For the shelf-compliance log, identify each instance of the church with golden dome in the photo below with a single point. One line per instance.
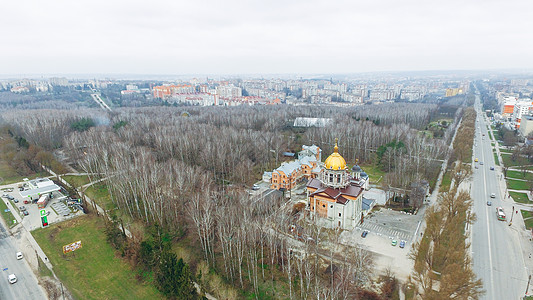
(335, 197)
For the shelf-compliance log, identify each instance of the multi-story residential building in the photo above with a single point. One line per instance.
(291, 173)
(522, 107)
(165, 91)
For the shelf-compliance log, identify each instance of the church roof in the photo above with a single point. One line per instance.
(335, 161)
(335, 194)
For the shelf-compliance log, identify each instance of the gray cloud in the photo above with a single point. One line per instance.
(172, 37)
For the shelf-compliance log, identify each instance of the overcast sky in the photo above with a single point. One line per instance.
(267, 36)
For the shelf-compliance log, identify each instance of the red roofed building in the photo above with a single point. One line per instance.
(335, 198)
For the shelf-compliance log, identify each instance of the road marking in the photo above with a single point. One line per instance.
(488, 228)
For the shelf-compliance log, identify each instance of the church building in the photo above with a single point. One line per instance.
(335, 197)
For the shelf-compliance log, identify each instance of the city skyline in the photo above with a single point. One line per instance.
(269, 38)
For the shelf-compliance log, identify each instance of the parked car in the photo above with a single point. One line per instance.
(10, 197)
(19, 255)
(394, 242)
(255, 187)
(26, 213)
(22, 208)
(12, 278)
(402, 244)
(364, 234)
(5, 195)
(26, 201)
(15, 200)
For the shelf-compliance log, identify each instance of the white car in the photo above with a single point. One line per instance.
(19, 255)
(12, 278)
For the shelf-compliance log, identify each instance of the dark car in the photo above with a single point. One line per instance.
(402, 244)
(364, 234)
(25, 213)
(489, 203)
(492, 168)
(16, 200)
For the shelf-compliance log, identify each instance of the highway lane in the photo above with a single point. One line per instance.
(26, 287)
(496, 251)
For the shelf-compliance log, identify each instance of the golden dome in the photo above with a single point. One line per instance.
(335, 161)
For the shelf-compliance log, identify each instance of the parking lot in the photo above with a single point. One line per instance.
(56, 209)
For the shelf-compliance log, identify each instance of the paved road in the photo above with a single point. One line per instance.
(26, 287)
(496, 250)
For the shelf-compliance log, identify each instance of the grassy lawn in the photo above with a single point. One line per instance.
(76, 181)
(94, 271)
(520, 161)
(496, 160)
(8, 175)
(514, 184)
(528, 218)
(374, 173)
(519, 197)
(518, 175)
(98, 192)
(446, 181)
(490, 135)
(517, 185)
(8, 216)
(504, 150)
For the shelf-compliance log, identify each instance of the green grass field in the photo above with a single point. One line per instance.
(528, 218)
(519, 197)
(98, 192)
(446, 181)
(496, 159)
(8, 175)
(517, 185)
(76, 181)
(520, 161)
(94, 271)
(519, 175)
(504, 150)
(374, 173)
(7, 216)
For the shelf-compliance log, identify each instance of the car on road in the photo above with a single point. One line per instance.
(19, 255)
(12, 278)
(480, 163)
(493, 195)
(476, 160)
(402, 244)
(492, 168)
(394, 242)
(364, 234)
(255, 187)
(489, 203)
